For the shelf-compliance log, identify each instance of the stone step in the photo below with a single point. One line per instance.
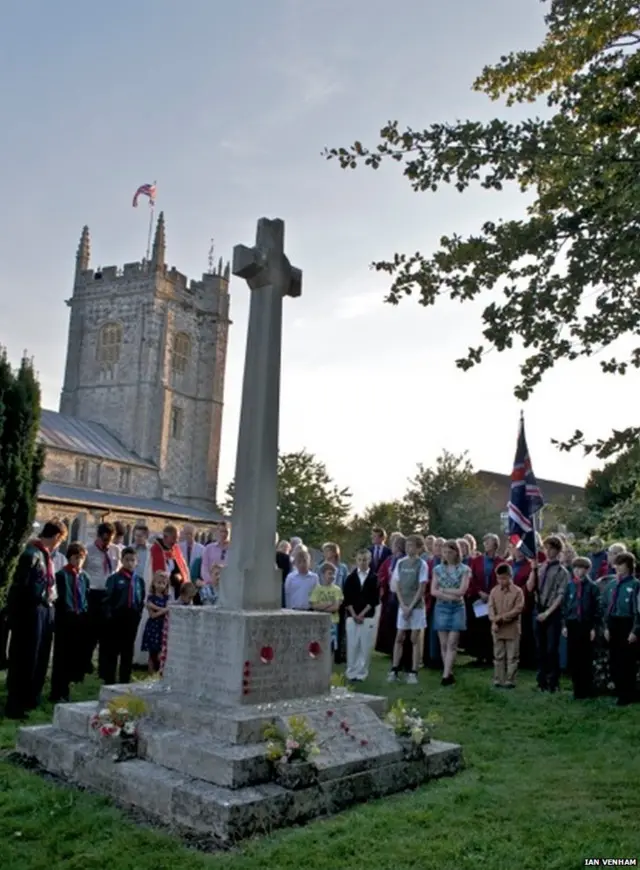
(75, 718)
(228, 814)
(59, 752)
(224, 764)
(237, 725)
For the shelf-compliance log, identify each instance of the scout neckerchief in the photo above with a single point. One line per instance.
(614, 597)
(579, 583)
(131, 589)
(75, 589)
(546, 567)
(104, 549)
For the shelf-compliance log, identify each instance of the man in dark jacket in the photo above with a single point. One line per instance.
(30, 612)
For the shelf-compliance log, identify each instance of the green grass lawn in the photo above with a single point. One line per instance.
(549, 782)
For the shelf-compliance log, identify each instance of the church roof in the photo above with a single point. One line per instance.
(63, 432)
(95, 498)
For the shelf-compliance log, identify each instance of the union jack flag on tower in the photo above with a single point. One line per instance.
(145, 190)
(525, 498)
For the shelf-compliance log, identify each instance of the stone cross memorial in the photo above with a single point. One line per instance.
(248, 582)
(234, 669)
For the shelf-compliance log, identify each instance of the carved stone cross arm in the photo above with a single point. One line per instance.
(266, 264)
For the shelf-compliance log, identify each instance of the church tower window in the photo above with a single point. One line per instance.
(109, 343)
(175, 422)
(180, 353)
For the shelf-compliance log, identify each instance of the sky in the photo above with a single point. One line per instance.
(228, 104)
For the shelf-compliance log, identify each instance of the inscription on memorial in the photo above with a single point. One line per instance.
(220, 655)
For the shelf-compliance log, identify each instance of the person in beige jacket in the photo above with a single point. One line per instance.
(506, 603)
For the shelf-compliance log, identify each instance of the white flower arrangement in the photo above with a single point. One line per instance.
(409, 724)
(118, 720)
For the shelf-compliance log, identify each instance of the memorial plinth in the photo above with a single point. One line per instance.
(202, 764)
(233, 670)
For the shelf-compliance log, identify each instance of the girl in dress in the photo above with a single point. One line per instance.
(157, 606)
(448, 587)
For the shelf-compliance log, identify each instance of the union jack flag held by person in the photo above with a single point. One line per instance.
(145, 190)
(525, 498)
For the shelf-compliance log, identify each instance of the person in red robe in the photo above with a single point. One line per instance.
(165, 555)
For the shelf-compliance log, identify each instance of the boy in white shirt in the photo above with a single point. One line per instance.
(409, 582)
(300, 582)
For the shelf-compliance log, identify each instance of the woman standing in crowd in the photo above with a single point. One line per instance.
(448, 588)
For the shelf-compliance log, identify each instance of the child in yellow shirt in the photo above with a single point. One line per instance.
(326, 597)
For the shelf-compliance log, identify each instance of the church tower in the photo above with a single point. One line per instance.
(146, 358)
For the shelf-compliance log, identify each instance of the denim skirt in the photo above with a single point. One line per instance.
(449, 616)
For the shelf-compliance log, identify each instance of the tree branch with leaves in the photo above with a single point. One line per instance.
(563, 279)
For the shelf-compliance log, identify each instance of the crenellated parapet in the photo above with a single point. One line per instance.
(208, 294)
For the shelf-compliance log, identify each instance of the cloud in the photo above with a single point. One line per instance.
(358, 305)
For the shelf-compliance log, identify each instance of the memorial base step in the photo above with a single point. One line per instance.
(227, 814)
(205, 769)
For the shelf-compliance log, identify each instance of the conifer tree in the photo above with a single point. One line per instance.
(21, 459)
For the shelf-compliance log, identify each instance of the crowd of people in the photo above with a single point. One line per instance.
(417, 599)
(420, 599)
(104, 605)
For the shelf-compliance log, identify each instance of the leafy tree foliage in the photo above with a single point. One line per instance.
(622, 520)
(574, 517)
(21, 459)
(612, 495)
(615, 482)
(392, 516)
(310, 504)
(449, 500)
(564, 278)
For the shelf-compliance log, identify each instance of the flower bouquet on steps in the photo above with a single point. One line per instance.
(117, 727)
(412, 730)
(290, 751)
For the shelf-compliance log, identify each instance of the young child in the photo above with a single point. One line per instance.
(622, 627)
(580, 613)
(208, 591)
(327, 597)
(71, 618)
(188, 592)
(361, 598)
(300, 582)
(123, 605)
(157, 606)
(506, 603)
(409, 582)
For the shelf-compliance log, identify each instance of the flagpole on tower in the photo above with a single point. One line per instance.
(152, 209)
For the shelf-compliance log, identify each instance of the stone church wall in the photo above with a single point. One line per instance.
(74, 469)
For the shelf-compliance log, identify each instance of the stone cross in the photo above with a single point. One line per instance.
(250, 580)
